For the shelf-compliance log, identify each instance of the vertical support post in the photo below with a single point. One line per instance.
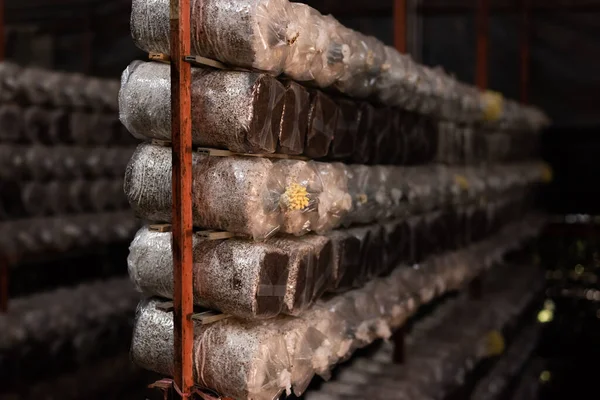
(525, 52)
(400, 25)
(181, 138)
(399, 355)
(3, 284)
(482, 21)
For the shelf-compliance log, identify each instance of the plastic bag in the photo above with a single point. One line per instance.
(239, 111)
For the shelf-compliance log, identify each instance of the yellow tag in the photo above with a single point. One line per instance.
(493, 105)
(462, 182)
(494, 343)
(546, 173)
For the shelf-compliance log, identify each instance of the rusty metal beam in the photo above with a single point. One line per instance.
(482, 21)
(525, 44)
(181, 134)
(400, 25)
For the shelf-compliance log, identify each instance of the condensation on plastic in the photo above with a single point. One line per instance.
(344, 138)
(362, 148)
(334, 202)
(243, 359)
(287, 274)
(294, 119)
(259, 197)
(243, 278)
(322, 123)
(257, 359)
(362, 185)
(229, 193)
(239, 111)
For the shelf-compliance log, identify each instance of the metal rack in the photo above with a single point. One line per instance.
(181, 139)
(182, 172)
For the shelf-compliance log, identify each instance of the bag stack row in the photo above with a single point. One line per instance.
(63, 154)
(356, 186)
(445, 350)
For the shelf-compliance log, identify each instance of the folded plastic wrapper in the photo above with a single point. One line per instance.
(262, 359)
(259, 197)
(238, 111)
(294, 39)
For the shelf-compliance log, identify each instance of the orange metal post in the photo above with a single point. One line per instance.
(400, 25)
(181, 125)
(525, 53)
(482, 30)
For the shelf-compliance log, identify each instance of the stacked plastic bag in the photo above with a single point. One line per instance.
(68, 327)
(261, 359)
(252, 112)
(295, 40)
(63, 154)
(442, 350)
(341, 225)
(259, 197)
(252, 280)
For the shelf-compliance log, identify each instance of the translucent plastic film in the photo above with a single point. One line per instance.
(293, 39)
(240, 277)
(239, 111)
(288, 274)
(262, 359)
(443, 348)
(258, 197)
(252, 196)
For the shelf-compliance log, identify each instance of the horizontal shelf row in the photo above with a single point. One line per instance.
(261, 359)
